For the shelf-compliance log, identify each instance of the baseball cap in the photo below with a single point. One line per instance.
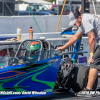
(73, 17)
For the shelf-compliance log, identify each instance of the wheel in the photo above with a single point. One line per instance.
(79, 78)
(12, 61)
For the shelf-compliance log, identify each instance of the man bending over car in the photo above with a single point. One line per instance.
(91, 26)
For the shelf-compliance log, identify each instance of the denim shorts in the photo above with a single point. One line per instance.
(96, 57)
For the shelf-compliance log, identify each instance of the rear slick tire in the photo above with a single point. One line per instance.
(79, 78)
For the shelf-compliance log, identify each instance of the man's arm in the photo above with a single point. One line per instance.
(73, 39)
(92, 43)
(91, 39)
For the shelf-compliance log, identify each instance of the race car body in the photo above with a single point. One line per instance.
(29, 76)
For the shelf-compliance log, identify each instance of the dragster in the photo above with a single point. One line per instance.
(36, 69)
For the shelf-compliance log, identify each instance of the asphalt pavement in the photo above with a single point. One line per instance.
(64, 96)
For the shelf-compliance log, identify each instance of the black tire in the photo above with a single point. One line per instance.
(79, 78)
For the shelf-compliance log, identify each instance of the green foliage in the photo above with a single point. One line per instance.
(50, 0)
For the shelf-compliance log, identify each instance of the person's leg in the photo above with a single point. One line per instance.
(88, 91)
(93, 72)
(92, 77)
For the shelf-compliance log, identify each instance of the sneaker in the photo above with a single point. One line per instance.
(86, 93)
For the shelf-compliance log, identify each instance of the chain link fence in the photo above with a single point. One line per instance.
(1, 8)
(13, 8)
(7, 8)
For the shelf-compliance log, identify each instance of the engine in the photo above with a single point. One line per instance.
(66, 66)
(63, 78)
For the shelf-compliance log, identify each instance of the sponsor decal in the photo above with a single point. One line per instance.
(22, 93)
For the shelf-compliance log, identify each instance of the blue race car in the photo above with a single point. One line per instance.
(37, 72)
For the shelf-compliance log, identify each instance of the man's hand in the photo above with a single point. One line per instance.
(73, 39)
(91, 59)
(62, 48)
